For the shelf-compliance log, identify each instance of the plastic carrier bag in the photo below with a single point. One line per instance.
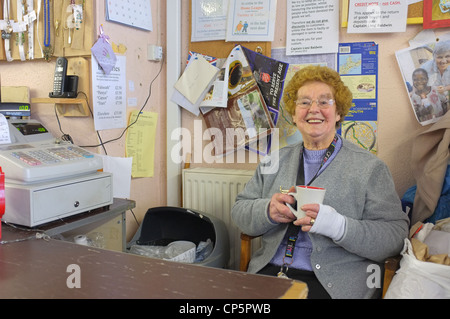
(418, 279)
(181, 251)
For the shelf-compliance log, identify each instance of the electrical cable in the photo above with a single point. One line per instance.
(65, 137)
(39, 234)
(68, 138)
(135, 218)
(137, 117)
(90, 110)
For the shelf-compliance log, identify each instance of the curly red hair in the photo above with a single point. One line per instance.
(342, 94)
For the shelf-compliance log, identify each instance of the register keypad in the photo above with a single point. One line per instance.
(52, 155)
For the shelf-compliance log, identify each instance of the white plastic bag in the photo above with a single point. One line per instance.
(181, 251)
(418, 279)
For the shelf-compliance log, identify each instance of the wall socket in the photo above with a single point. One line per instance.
(154, 52)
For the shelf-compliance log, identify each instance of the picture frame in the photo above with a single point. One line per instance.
(436, 14)
(427, 79)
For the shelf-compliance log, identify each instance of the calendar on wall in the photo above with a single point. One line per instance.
(134, 13)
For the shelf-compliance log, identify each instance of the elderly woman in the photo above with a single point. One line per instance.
(342, 242)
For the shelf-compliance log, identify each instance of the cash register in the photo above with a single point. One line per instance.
(48, 179)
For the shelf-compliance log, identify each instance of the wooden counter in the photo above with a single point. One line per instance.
(39, 268)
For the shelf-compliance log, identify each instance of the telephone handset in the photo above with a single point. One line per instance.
(59, 82)
(64, 86)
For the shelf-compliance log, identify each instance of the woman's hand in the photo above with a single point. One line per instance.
(330, 223)
(311, 210)
(278, 211)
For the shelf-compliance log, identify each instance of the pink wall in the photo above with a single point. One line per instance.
(38, 76)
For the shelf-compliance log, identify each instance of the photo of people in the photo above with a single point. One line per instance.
(426, 72)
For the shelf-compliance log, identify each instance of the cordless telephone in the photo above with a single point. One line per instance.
(64, 86)
(59, 82)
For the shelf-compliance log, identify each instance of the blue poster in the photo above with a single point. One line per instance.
(358, 66)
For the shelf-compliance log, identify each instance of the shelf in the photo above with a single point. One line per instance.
(73, 107)
(66, 106)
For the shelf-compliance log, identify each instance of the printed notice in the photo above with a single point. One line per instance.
(209, 20)
(141, 139)
(109, 95)
(377, 16)
(5, 137)
(251, 20)
(313, 27)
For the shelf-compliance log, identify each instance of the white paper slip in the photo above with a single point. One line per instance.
(5, 137)
(196, 79)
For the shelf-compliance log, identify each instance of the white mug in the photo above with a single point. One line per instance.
(306, 195)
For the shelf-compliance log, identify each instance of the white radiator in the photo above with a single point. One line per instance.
(213, 191)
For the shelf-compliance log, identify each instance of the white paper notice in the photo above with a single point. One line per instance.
(5, 137)
(313, 27)
(251, 20)
(109, 95)
(120, 167)
(377, 16)
(209, 20)
(196, 79)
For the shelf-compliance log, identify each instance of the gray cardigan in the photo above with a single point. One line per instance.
(360, 187)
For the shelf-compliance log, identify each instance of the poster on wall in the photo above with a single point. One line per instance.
(270, 75)
(427, 79)
(312, 27)
(251, 20)
(209, 20)
(377, 16)
(109, 95)
(358, 66)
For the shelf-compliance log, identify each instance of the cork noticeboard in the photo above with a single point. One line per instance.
(221, 48)
(81, 39)
(415, 13)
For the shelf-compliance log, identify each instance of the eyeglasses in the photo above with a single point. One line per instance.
(321, 103)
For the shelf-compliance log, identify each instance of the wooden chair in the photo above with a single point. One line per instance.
(391, 264)
(246, 251)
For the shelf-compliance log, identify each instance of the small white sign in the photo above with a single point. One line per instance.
(377, 16)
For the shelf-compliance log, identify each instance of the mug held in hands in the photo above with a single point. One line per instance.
(306, 195)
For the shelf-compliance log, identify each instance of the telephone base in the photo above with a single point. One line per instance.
(64, 95)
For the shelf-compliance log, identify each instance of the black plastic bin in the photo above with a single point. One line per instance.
(163, 225)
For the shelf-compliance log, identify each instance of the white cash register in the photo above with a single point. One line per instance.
(47, 179)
